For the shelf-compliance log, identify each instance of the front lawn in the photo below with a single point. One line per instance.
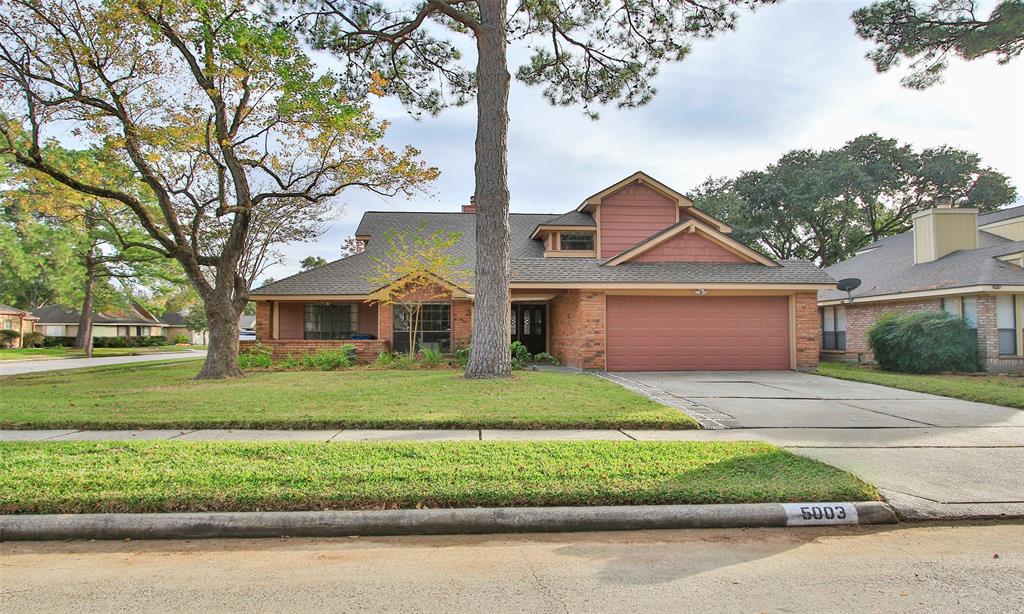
(166, 396)
(1005, 390)
(61, 352)
(167, 476)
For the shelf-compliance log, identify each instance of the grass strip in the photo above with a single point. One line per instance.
(141, 396)
(1006, 390)
(167, 476)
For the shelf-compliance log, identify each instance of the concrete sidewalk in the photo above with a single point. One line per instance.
(21, 367)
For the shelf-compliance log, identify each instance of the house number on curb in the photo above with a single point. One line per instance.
(819, 513)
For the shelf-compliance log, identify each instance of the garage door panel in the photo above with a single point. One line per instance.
(697, 333)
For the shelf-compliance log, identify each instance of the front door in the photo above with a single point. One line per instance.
(529, 326)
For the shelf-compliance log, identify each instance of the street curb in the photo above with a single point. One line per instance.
(413, 522)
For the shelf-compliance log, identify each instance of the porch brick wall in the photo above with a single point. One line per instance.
(860, 318)
(366, 350)
(385, 326)
(577, 321)
(462, 323)
(808, 330)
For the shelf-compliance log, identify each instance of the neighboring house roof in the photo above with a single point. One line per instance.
(246, 322)
(55, 314)
(8, 310)
(528, 265)
(887, 267)
(173, 318)
(1002, 215)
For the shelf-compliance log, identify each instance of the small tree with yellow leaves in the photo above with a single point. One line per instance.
(417, 268)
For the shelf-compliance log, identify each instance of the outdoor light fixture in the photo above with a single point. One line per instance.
(700, 291)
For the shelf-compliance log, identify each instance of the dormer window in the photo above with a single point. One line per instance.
(576, 241)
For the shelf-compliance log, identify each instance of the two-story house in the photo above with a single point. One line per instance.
(635, 278)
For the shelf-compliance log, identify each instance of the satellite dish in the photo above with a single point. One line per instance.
(848, 285)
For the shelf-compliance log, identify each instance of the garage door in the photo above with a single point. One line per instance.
(672, 333)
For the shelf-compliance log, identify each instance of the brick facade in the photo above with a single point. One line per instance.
(576, 333)
(462, 323)
(808, 330)
(366, 350)
(264, 317)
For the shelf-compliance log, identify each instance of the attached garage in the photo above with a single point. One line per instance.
(697, 333)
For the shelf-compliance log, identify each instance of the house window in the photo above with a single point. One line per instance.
(1006, 323)
(435, 329)
(7, 325)
(326, 321)
(833, 328)
(965, 307)
(53, 330)
(576, 241)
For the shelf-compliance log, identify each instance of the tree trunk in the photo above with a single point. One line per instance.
(83, 340)
(222, 349)
(489, 355)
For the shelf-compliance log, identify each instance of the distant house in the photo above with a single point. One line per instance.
(176, 327)
(18, 320)
(953, 259)
(247, 327)
(136, 321)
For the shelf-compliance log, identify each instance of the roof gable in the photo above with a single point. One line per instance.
(698, 249)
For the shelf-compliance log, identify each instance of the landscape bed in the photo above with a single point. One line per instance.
(1006, 390)
(161, 476)
(62, 352)
(165, 396)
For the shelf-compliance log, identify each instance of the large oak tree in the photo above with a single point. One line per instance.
(588, 52)
(221, 116)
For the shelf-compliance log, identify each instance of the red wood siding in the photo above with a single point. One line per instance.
(631, 215)
(292, 317)
(688, 247)
(674, 333)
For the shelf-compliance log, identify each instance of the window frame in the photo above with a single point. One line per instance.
(338, 334)
(838, 335)
(438, 337)
(589, 235)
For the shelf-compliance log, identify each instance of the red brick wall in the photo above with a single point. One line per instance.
(462, 323)
(366, 350)
(688, 247)
(577, 323)
(861, 317)
(808, 329)
(631, 215)
(385, 318)
(264, 313)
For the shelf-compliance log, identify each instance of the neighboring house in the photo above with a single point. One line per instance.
(635, 278)
(175, 321)
(18, 320)
(953, 259)
(247, 327)
(136, 321)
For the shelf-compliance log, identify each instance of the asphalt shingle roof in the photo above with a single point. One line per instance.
(528, 264)
(1003, 214)
(55, 314)
(888, 268)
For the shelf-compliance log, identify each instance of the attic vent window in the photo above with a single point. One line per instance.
(576, 241)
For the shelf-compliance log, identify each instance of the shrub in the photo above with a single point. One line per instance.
(181, 340)
(255, 357)
(520, 355)
(545, 357)
(32, 340)
(462, 357)
(404, 361)
(385, 359)
(329, 360)
(924, 342)
(155, 340)
(7, 337)
(429, 359)
(55, 342)
(112, 342)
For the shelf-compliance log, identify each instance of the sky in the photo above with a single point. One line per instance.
(790, 76)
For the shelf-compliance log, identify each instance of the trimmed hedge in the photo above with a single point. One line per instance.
(924, 342)
(109, 342)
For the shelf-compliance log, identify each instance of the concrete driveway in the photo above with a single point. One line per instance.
(931, 456)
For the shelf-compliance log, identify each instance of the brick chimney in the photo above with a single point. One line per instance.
(471, 207)
(943, 230)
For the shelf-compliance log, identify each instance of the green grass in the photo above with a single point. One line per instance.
(60, 352)
(167, 476)
(1005, 390)
(166, 396)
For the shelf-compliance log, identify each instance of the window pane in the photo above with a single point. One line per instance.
(841, 341)
(326, 321)
(434, 328)
(829, 320)
(840, 319)
(1005, 317)
(951, 305)
(971, 311)
(828, 341)
(1007, 341)
(577, 241)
